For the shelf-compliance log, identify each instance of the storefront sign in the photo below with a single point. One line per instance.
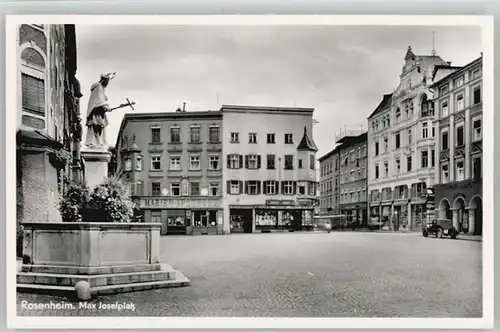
(279, 202)
(180, 203)
(401, 201)
(418, 200)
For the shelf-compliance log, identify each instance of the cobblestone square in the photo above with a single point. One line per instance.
(311, 274)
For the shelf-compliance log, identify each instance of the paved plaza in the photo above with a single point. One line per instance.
(312, 274)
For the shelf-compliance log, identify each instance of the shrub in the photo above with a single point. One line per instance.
(74, 199)
(110, 201)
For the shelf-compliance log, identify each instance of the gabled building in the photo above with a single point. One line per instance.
(459, 122)
(329, 166)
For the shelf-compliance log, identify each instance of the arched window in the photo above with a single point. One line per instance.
(424, 106)
(32, 86)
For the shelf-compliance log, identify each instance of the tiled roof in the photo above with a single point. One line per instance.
(386, 101)
(306, 144)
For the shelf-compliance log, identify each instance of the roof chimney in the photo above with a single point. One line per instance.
(449, 63)
(184, 106)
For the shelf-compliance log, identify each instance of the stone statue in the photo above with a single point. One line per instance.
(97, 120)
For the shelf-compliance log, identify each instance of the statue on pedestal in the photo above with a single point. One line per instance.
(97, 120)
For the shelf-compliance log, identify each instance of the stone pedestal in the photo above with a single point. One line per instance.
(96, 166)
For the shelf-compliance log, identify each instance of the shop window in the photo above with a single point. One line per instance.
(155, 188)
(194, 134)
(234, 161)
(289, 162)
(156, 163)
(235, 137)
(175, 163)
(214, 163)
(214, 134)
(194, 162)
(155, 135)
(252, 138)
(175, 189)
(175, 135)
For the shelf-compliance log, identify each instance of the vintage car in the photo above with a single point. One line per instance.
(440, 228)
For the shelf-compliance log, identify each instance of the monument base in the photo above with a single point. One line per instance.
(109, 257)
(96, 166)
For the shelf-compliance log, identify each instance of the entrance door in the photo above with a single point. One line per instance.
(204, 224)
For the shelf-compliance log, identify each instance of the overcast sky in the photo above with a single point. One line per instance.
(342, 72)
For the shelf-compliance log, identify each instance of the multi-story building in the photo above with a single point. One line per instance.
(401, 146)
(48, 121)
(173, 162)
(353, 183)
(458, 189)
(329, 182)
(269, 168)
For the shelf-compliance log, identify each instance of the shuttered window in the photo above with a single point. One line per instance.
(33, 90)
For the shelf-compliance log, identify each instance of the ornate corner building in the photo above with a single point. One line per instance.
(48, 120)
(458, 173)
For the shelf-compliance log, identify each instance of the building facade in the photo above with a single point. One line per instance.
(458, 189)
(48, 120)
(329, 182)
(353, 182)
(173, 162)
(401, 152)
(269, 168)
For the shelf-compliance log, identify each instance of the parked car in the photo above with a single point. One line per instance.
(374, 225)
(440, 228)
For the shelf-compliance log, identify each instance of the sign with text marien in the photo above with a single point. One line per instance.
(180, 203)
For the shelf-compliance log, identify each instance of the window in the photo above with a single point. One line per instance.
(386, 168)
(175, 135)
(128, 164)
(139, 189)
(155, 188)
(194, 162)
(175, 189)
(194, 134)
(443, 90)
(398, 115)
(299, 163)
(33, 94)
(459, 82)
(195, 189)
(476, 73)
(398, 140)
(155, 135)
(213, 188)
(235, 137)
(432, 158)
(398, 165)
(476, 130)
(252, 161)
(433, 131)
(234, 161)
(445, 173)
(376, 148)
(425, 130)
(155, 163)
(460, 174)
(302, 190)
(460, 135)
(288, 138)
(460, 102)
(288, 162)
(234, 187)
(214, 134)
(410, 138)
(386, 144)
(444, 109)
(270, 187)
(376, 172)
(214, 163)
(312, 162)
(444, 140)
(252, 138)
(476, 95)
(477, 168)
(271, 138)
(253, 187)
(408, 164)
(271, 161)
(287, 187)
(175, 163)
(138, 163)
(424, 159)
